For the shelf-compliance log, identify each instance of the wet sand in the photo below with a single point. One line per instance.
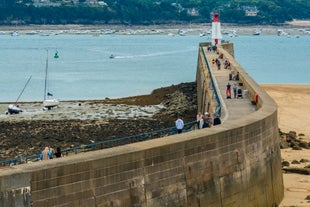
(293, 115)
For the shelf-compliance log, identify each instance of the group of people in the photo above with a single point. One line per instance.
(234, 76)
(212, 48)
(205, 121)
(227, 64)
(217, 62)
(235, 90)
(49, 153)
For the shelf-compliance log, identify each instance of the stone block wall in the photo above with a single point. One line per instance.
(229, 165)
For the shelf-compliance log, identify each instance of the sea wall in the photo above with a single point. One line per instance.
(233, 164)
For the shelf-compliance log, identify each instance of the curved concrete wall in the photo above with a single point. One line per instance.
(234, 164)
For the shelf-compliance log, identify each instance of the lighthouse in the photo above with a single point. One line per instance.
(216, 29)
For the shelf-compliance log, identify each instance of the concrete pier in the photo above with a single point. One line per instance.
(233, 108)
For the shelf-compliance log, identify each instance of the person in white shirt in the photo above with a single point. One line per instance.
(179, 124)
(199, 120)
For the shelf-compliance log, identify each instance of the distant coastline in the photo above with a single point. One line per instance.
(291, 27)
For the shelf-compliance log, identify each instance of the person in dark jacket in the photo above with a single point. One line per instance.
(217, 120)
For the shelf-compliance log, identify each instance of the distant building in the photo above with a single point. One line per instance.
(40, 3)
(192, 12)
(91, 2)
(102, 3)
(250, 10)
(178, 7)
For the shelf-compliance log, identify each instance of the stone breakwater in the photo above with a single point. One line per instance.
(76, 123)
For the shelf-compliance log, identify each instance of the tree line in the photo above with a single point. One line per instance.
(145, 12)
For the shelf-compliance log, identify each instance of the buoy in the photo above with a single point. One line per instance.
(56, 55)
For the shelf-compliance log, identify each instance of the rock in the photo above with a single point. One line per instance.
(304, 171)
(296, 147)
(284, 144)
(295, 162)
(32, 135)
(303, 160)
(308, 197)
(304, 145)
(285, 164)
(292, 134)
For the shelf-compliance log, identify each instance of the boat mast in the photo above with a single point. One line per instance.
(46, 66)
(22, 90)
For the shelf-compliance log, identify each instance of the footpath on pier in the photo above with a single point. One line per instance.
(234, 108)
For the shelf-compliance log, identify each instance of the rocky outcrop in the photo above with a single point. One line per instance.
(294, 141)
(20, 138)
(291, 139)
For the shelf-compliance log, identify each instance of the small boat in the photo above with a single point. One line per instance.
(14, 33)
(112, 56)
(48, 102)
(181, 32)
(14, 108)
(256, 32)
(281, 32)
(233, 33)
(202, 34)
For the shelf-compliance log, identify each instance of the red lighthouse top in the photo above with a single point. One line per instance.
(216, 17)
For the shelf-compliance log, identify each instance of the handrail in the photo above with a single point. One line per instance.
(107, 144)
(218, 109)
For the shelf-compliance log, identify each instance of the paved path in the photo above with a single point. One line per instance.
(234, 108)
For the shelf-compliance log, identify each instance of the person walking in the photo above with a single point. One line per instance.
(228, 90)
(218, 64)
(235, 90)
(179, 124)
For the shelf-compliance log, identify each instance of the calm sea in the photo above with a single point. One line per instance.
(84, 69)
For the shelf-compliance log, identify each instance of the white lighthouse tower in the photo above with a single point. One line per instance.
(216, 29)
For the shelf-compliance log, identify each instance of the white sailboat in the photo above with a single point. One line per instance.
(14, 108)
(49, 102)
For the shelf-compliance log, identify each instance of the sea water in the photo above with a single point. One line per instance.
(84, 69)
(275, 59)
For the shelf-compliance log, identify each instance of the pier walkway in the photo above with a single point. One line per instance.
(233, 108)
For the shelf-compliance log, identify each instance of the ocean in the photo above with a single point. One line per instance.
(84, 69)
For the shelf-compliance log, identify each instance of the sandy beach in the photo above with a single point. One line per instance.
(293, 115)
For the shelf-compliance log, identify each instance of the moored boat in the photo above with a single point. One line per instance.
(256, 32)
(14, 108)
(49, 102)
